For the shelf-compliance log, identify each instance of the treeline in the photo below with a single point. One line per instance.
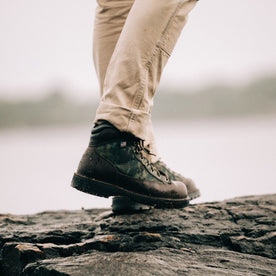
(258, 97)
(54, 109)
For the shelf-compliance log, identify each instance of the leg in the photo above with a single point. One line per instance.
(114, 163)
(106, 36)
(135, 68)
(109, 22)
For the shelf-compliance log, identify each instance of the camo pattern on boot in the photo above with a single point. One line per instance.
(125, 156)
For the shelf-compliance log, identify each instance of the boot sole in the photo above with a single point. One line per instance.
(104, 189)
(123, 204)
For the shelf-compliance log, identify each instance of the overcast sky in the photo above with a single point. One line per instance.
(49, 43)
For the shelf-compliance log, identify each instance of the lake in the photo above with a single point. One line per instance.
(225, 157)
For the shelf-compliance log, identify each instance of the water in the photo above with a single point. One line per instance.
(226, 158)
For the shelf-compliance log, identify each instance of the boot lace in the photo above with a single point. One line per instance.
(139, 148)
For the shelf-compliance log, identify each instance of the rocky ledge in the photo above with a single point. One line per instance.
(233, 237)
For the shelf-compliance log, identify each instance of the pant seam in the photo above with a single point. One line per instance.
(159, 46)
(163, 39)
(139, 95)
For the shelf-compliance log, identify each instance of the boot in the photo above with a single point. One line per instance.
(116, 164)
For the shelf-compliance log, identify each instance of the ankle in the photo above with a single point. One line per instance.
(104, 133)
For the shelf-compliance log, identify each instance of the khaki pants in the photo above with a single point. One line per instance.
(133, 40)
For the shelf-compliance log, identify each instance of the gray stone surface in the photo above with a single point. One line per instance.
(233, 237)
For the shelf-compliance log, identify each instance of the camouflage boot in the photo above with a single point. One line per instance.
(114, 164)
(123, 204)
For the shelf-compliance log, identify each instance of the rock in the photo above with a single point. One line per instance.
(233, 237)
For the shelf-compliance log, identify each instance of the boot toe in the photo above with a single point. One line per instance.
(193, 191)
(179, 190)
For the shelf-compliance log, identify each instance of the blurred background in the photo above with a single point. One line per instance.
(214, 112)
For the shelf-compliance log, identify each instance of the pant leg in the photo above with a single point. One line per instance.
(110, 18)
(133, 73)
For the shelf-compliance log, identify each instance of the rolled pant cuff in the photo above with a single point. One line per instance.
(125, 119)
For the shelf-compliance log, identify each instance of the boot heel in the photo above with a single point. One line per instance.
(123, 204)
